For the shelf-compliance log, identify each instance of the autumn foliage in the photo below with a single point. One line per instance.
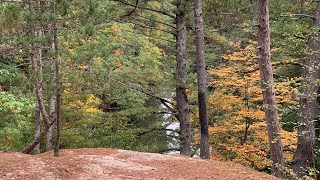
(238, 132)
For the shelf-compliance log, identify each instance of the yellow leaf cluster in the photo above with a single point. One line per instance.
(237, 100)
(88, 104)
(226, 138)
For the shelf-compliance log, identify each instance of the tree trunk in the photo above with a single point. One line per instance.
(38, 92)
(201, 77)
(38, 69)
(36, 140)
(52, 111)
(58, 136)
(37, 128)
(247, 119)
(53, 96)
(304, 159)
(268, 92)
(38, 73)
(58, 84)
(181, 96)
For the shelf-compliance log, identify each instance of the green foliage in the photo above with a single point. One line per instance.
(289, 71)
(12, 78)
(114, 132)
(289, 118)
(212, 36)
(9, 16)
(16, 121)
(110, 63)
(96, 129)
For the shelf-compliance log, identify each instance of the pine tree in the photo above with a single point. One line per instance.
(201, 77)
(268, 92)
(181, 93)
(304, 156)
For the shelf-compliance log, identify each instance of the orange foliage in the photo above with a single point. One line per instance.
(118, 52)
(236, 103)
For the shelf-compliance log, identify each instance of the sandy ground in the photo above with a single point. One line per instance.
(102, 163)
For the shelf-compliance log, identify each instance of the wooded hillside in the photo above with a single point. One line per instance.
(225, 80)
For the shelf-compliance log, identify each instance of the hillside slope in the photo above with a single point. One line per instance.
(103, 163)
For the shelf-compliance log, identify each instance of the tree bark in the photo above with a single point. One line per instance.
(181, 96)
(201, 79)
(37, 121)
(59, 124)
(53, 96)
(268, 92)
(38, 69)
(40, 104)
(38, 92)
(303, 159)
(36, 140)
(52, 112)
(58, 84)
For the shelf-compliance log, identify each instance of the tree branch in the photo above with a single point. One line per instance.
(160, 22)
(150, 27)
(301, 15)
(156, 129)
(148, 35)
(131, 12)
(277, 64)
(146, 8)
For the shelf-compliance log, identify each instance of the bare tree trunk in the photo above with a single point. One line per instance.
(181, 96)
(47, 123)
(53, 97)
(39, 69)
(304, 159)
(248, 121)
(36, 140)
(58, 84)
(201, 77)
(59, 124)
(52, 111)
(38, 91)
(268, 92)
(37, 128)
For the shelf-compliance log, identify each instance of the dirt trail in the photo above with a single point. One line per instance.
(102, 163)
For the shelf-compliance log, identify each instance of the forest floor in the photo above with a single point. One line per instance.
(103, 163)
